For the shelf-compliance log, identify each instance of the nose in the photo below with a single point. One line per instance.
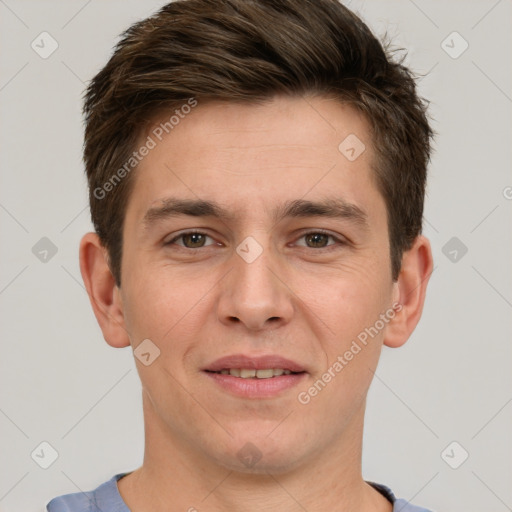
(256, 292)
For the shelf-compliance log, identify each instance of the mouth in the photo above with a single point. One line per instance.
(255, 377)
(251, 373)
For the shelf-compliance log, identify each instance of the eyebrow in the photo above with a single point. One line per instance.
(336, 208)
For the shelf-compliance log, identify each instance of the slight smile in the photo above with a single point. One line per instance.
(255, 377)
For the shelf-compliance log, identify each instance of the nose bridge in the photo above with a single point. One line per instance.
(253, 262)
(253, 294)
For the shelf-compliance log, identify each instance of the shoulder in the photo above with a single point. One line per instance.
(404, 506)
(399, 505)
(105, 498)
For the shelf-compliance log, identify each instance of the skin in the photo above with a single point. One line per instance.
(297, 299)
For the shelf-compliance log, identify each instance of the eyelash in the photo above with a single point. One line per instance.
(315, 232)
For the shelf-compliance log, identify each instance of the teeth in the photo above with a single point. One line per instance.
(249, 373)
(264, 374)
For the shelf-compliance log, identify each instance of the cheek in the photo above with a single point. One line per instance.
(352, 308)
(351, 348)
(347, 299)
(170, 308)
(348, 314)
(155, 305)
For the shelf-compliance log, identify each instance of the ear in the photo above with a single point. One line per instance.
(409, 292)
(103, 292)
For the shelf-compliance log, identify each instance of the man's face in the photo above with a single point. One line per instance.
(301, 287)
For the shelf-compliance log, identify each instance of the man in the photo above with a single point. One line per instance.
(257, 173)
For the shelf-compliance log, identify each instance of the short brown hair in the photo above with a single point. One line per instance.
(249, 51)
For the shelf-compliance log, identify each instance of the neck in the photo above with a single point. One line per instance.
(174, 474)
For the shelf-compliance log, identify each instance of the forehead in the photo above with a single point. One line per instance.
(250, 156)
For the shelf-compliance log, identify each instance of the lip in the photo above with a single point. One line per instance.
(254, 363)
(254, 388)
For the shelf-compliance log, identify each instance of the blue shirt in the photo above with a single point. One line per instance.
(106, 498)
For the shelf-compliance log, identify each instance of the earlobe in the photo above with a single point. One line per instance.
(409, 292)
(102, 290)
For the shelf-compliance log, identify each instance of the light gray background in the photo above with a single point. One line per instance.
(61, 383)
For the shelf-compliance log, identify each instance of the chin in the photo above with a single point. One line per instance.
(261, 455)
(269, 463)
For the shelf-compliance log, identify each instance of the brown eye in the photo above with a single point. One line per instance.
(320, 240)
(317, 239)
(194, 239)
(190, 240)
